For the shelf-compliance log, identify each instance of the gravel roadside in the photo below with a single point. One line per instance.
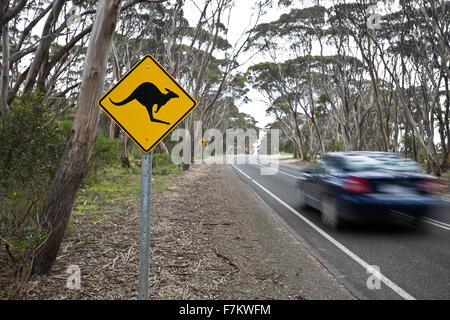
(272, 263)
(211, 239)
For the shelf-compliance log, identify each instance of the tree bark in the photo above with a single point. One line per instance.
(114, 130)
(5, 71)
(48, 35)
(78, 148)
(124, 155)
(8, 14)
(376, 94)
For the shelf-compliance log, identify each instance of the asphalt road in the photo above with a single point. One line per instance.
(414, 263)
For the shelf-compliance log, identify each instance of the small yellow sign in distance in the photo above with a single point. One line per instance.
(203, 142)
(147, 103)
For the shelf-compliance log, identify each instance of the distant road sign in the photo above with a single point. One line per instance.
(147, 103)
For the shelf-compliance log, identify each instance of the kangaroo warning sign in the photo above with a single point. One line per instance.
(147, 103)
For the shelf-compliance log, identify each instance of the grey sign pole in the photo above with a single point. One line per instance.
(144, 238)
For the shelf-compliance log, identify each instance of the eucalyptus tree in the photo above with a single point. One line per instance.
(373, 84)
(424, 38)
(410, 47)
(79, 144)
(202, 57)
(8, 11)
(308, 76)
(273, 81)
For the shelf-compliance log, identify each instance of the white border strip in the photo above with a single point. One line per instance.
(344, 249)
(278, 170)
(436, 223)
(433, 222)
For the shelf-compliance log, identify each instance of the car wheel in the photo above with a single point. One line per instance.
(330, 215)
(301, 198)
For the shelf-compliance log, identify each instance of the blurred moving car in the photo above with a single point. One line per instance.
(364, 186)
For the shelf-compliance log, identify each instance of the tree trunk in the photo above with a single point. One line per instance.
(124, 155)
(296, 154)
(161, 148)
(114, 130)
(78, 148)
(8, 14)
(299, 141)
(446, 121)
(48, 35)
(5, 71)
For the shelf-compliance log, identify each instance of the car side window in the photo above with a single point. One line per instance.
(318, 168)
(332, 165)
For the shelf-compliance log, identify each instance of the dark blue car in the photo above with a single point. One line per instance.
(349, 186)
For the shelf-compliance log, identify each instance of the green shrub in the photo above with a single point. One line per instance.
(31, 146)
(104, 153)
(166, 170)
(287, 146)
(161, 160)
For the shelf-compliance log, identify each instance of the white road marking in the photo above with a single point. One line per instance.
(402, 215)
(343, 248)
(433, 222)
(436, 223)
(278, 170)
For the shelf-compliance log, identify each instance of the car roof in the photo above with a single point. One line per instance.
(361, 153)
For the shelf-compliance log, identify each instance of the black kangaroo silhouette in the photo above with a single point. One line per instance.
(148, 95)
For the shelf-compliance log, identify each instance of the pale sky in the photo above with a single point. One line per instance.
(240, 21)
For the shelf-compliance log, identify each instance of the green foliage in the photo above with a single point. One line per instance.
(163, 165)
(161, 159)
(166, 170)
(285, 3)
(104, 153)
(31, 146)
(65, 127)
(26, 244)
(287, 146)
(334, 145)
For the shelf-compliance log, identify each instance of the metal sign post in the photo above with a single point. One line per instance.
(144, 238)
(129, 103)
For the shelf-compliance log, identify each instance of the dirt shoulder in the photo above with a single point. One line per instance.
(211, 239)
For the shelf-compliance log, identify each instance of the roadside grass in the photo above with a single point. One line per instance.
(114, 188)
(289, 155)
(107, 191)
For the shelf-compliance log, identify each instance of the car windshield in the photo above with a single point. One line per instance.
(371, 163)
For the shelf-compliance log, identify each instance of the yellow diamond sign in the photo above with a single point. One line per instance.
(147, 103)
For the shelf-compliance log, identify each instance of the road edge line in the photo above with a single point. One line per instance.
(339, 245)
